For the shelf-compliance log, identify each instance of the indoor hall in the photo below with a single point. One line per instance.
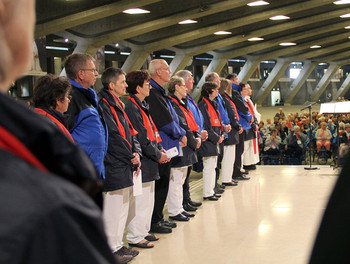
(272, 218)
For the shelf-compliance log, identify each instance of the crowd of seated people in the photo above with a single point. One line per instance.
(288, 137)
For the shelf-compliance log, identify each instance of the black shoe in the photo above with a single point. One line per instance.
(229, 183)
(160, 228)
(195, 204)
(250, 167)
(189, 208)
(242, 178)
(245, 172)
(168, 224)
(222, 186)
(218, 190)
(121, 257)
(217, 195)
(211, 198)
(187, 214)
(234, 181)
(129, 251)
(179, 217)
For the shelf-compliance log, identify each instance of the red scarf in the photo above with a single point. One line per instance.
(58, 123)
(11, 144)
(133, 132)
(188, 115)
(215, 118)
(147, 121)
(233, 105)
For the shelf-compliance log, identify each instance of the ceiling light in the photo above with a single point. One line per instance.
(258, 3)
(255, 39)
(342, 2)
(66, 40)
(125, 53)
(109, 52)
(133, 11)
(287, 44)
(188, 21)
(348, 27)
(315, 47)
(280, 17)
(116, 45)
(222, 33)
(345, 15)
(56, 48)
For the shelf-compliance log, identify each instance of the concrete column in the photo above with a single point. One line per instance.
(308, 67)
(248, 69)
(343, 88)
(274, 76)
(322, 85)
(179, 62)
(135, 60)
(215, 65)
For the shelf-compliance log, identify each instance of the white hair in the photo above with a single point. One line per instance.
(154, 65)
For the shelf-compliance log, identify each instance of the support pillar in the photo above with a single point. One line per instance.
(308, 67)
(179, 62)
(273, 78)
(322, 85)
(135, 60)
(343, 88)
(248, 69)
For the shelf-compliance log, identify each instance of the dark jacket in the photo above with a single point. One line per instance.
(210, 146)
(251, 132)
(233, 136)
(164, 117)
(86, 126)
(189, 156)
(150, 149)
(49, 211)
(119, 169)
(242, 109)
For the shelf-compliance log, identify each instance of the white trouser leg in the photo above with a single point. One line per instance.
(246, 147)
(115, 214)
(227, 163)
(140, 213)
(175, 195)
(209, 175)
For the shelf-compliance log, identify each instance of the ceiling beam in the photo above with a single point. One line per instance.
(87, 16)
(235, 23)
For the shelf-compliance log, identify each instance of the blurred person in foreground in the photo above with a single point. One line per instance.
(46, 214)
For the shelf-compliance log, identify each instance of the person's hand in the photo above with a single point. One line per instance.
(199, 142)
(204, 135)
(228, 128)
(183, 141)
(136, 159)
(240, 131)
(163, 159)
(221, 139)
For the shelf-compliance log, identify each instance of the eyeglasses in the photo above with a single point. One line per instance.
(69, 97)
(93, 70)
(146, 84)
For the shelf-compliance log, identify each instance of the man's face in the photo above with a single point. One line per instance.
(119, 86)
(164, 71)
(235, 80)
(89, 74)
(249, 90)
(217, 79)
(189, 83)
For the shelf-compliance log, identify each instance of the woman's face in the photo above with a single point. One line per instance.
(62, 103)
(181, 90)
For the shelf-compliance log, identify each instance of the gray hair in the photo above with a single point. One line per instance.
(183, 74)
(154, 65)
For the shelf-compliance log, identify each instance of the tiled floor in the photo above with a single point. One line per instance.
(269, 219)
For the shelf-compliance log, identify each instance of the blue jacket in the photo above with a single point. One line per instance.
(193, 107)
(223, 112)
(86, 126)
(164, 117)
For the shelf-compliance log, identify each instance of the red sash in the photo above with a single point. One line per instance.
(215, 118)
(188, 115)
(58, 123)
(133, 132)
(147, 121)
(11, 144)
(233, 105)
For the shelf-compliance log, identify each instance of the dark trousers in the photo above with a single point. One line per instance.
(238, 159)
(218, 164)
(186, 187)
(161, 191)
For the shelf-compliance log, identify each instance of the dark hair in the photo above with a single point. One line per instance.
(208, 88)
(75, 62)
(134, 79)
(110, 75)
(48, 89)
(231, 76)
(173, 81)
(242, 85)
(224, 83)
(210, 77)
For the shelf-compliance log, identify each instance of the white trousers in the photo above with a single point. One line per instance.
(209, 175)
(140, 214)
(249, 157)
(175, 194)
(227, 163)
(115, 214)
